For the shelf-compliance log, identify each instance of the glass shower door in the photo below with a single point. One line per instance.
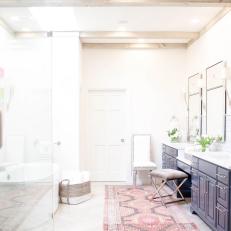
(27, 173)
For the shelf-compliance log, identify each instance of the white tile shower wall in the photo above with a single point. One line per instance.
(212, 47)
(154, 80)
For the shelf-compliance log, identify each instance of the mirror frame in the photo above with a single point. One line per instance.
(200, 104)
(225, 98)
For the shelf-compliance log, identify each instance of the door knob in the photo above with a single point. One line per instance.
(58, 143)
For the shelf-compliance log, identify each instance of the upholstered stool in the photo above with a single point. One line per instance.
(166, 175)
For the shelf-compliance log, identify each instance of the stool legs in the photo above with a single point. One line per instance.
(158, 189)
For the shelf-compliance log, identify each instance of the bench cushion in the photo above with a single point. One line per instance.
(168, 174)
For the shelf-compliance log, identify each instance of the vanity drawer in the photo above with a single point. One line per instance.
(208, 168)
(171, 151)
(222, 194)
(223, 175)
(195, 162)
(181, 165)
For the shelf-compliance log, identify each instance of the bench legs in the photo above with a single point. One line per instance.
(158, 189)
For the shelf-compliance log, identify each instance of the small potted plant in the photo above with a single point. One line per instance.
(205, 142)
(174, 135)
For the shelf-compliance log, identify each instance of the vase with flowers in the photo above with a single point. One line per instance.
(217, 144)
(174, 135)
(205, 142)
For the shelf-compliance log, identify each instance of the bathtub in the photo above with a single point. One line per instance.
(34, 173)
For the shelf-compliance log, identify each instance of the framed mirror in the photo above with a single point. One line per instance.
(216, 100)
(194, 107)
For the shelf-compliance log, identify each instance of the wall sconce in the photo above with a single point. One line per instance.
(226, 75)
(200, 83)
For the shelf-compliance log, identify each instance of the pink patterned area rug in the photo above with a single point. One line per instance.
(131, 209)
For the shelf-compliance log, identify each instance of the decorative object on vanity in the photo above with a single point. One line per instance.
(141, 154)
(174, 131)
(174, 135)
(75, 188)
(205, 142)
(216, 144)
(166, 175)
(216, 98)
(195, 85)
(129, 208)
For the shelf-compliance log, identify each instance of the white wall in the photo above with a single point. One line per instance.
(154, 80)
(212, 47)
(66, 88)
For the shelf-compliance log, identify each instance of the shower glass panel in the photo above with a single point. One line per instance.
(26, 169)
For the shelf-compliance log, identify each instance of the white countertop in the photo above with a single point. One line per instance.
(179, 146)
(222, 159)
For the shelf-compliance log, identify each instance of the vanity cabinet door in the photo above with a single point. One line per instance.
(202, 193)
(211, 201)
(194, 197)
(222, 218)
(173, 163)
(164, 160)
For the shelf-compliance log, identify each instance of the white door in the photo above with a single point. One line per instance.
(107, 127)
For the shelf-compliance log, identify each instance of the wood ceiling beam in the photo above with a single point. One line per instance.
(54, 3)
(135, 45)
(137, 35)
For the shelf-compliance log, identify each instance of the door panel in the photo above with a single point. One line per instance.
(202, 191)
(107, 135)
(211, 201)
(195, 197)
(222, 218)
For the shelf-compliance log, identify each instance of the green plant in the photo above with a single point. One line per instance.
(174, 134)
(205, 141)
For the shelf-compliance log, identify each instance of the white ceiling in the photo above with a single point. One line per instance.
(191, 19)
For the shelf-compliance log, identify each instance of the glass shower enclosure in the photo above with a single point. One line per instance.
(28, 187)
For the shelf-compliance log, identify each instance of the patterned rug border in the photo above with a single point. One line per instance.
(114, 220)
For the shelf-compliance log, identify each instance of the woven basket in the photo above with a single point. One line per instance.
(68, 190)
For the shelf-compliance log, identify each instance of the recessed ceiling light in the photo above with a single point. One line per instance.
(140, 40)
(121, 28)
(54, 18)
(195, 21)
(25, 29)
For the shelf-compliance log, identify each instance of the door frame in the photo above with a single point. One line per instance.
(85, 95)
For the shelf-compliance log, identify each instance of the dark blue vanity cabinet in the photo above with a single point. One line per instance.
(211, 194)
(169, 160)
